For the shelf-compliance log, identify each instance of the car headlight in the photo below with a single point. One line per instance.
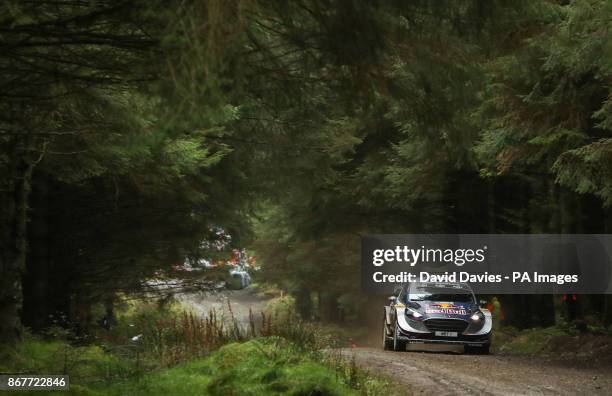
(477, 316)
(414, 313)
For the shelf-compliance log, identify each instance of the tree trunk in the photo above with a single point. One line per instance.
(303, 303)
(38, 302)
(15, 246)
(491, 215)
(328, 307)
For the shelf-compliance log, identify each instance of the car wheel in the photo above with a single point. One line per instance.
(386, 340)
(398, 345)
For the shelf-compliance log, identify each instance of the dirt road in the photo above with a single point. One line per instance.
(240, 300)
(438, 373)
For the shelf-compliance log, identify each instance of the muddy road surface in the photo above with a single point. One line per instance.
(435, 372)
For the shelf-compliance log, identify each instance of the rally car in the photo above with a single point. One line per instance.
(437, 313)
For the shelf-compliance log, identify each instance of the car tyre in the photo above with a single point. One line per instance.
(386, 340)
(398, 345)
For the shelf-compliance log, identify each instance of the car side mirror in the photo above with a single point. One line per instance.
(392, 299)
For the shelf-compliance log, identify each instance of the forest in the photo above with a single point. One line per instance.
(131, 130)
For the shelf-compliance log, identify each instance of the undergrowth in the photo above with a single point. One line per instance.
(561, 343)
(167, 350)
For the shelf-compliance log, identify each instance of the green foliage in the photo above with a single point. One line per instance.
(281, 307)
(258, 367)
(306, 123)
(455, 117)
(274, 367)
(546, 104)
(555, 342)
(121, 110)
(262, 366)
(83, 363)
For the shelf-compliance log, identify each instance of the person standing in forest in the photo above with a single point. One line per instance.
(496, 312)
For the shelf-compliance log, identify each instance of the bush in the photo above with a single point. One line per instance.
(281, 308)
(167, 334)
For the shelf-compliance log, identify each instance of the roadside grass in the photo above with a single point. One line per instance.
(176, 353)
(557, 342)
(281, 309)
(35, 355)
(263, 366)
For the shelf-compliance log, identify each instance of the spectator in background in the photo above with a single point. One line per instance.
(496, 312)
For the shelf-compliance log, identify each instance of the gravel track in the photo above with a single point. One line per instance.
(240, 300)
(442, 373)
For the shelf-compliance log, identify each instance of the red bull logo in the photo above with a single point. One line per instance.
(445, 308)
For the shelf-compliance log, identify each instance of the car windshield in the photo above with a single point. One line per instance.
(427, 292)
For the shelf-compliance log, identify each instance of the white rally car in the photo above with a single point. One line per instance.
(436, 313)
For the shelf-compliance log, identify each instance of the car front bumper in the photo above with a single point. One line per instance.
(410, 333)
(480, 340)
